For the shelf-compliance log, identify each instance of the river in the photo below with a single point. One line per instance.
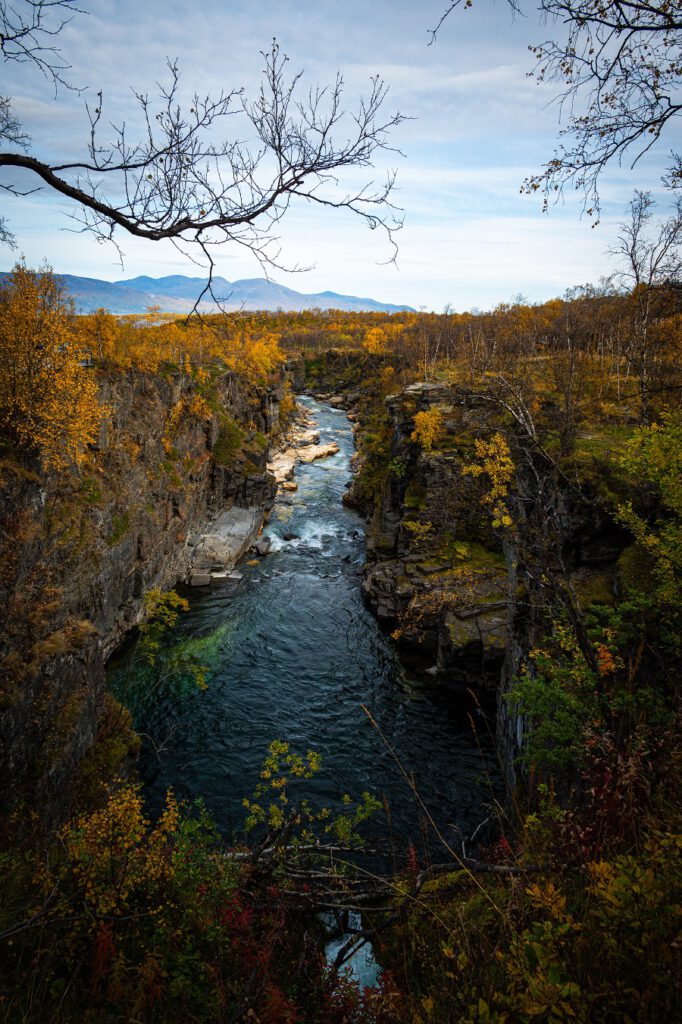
(292, 654)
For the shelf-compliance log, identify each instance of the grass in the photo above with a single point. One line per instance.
(120, 524)
(230, 440)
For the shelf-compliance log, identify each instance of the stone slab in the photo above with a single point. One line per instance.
(228, 538)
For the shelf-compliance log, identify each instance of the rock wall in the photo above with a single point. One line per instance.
(78, 555)
(435, 572)
(564, 550)
(470, 603)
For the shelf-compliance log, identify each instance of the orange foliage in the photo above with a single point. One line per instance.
(48, 397)
(375, 341)
(242, 345)
(428, 428)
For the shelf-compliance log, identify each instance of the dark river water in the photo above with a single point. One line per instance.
(292, 654)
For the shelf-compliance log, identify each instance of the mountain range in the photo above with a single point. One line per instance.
(177, 294)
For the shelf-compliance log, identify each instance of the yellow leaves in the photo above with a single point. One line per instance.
(496, 463)
(428, 428)
(255, 355)
(170, 819)
(545, 896)
(99, 332)
(280, 765)
(418, 531)
(602, 874)
(48, 395)
(389, 380)
(428, 1004)
(375, 341)
(245, 346)
(114, 852)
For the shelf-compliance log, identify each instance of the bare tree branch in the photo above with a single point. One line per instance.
(651, 269)
(618, 68)
(174, 181)
(27, 31)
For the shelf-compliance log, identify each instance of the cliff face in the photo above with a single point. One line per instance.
(435, 572)
(469, 602)
(562, 556)
(77, 557)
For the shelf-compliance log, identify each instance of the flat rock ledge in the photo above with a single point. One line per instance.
(215, 553)
(302, 445)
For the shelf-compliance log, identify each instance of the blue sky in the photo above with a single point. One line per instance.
(479, 126)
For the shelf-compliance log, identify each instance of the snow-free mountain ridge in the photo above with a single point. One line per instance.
(177, 294)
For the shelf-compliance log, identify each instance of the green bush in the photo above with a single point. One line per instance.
(120, 524)
(229, 442)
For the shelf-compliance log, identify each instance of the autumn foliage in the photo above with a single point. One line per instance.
(48, 399)
(428, 428)
(155, 922)
(241, 344)
(573, 915)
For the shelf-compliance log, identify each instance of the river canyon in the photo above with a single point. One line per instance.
(293, 654)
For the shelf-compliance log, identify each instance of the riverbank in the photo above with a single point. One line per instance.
(292, 653)
(80, 552)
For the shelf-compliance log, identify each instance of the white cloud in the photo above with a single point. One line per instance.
(481, 126)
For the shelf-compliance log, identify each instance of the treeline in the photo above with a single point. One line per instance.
(613, 354)
(602, 352)
(629, 341)
(571, 912)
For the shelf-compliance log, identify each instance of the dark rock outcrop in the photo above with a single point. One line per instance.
(435, 572)
(79, 554)
(470, 602)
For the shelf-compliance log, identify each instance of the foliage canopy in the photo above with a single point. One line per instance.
(48, 397)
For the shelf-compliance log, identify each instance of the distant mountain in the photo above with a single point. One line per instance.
(177, 294)
(249, 293)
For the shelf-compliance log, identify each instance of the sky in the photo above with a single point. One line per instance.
(477, 126)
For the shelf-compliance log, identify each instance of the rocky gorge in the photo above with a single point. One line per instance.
(179, 490)
(463, 601)
(176, 490)
(403, 649)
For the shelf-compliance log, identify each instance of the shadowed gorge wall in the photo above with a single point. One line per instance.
(79, 553)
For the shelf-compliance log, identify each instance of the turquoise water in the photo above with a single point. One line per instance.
(292, 654)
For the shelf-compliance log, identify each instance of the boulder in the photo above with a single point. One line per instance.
(200, 579)
(317, 451)
(282, 465)
(262, 546)
(228, 538)
(306, 437)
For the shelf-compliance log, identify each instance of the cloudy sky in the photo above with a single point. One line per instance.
(478, 125)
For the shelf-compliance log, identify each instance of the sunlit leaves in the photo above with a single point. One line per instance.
(48, 395)
(496, 465)
(428, 428)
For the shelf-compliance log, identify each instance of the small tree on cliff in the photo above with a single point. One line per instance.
(428, 429)
(48, 400)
